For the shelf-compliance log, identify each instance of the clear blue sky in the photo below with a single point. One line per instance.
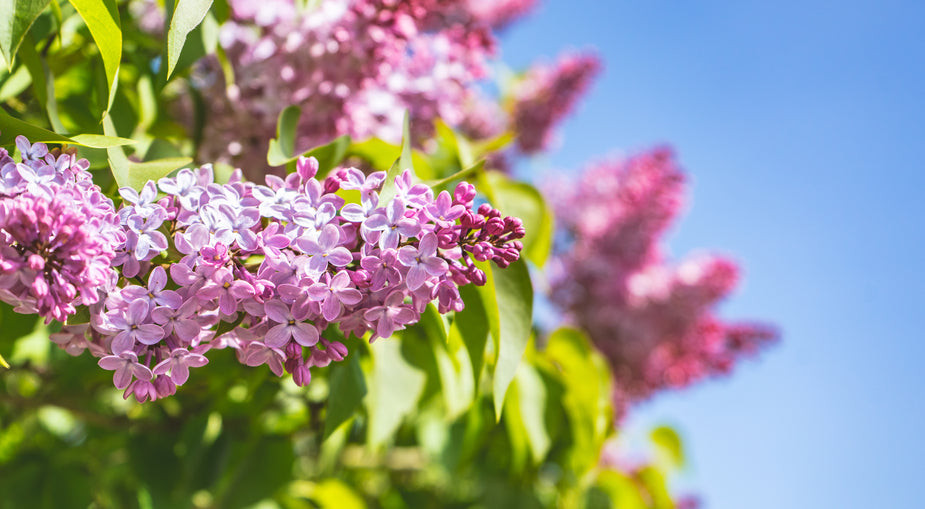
(802, 125)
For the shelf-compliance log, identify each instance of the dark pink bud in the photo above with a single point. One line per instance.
(477, 277)
(164, 386)
(302, 375)
(36, 262)
(464, 194)
(331, 185)
(494, 226)
(306, 167)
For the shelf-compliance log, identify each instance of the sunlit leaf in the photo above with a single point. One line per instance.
(622, 491)
(514, 296)
(584, 376)
(335, 494)
(43, 83)
(394, 389)
(669, 442)
(403, 163)
(471, 326)
(378, 152)
(531, 407)
(140, 173)
(11, 127)
(17, 18)
(187, 15)
(475, 169)
(329, 155)
(282, 148)
(520, 199)
(102, 18)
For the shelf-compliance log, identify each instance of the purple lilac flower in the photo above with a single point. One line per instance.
(131, 327)
(392, 224)
(290, 325)
(178, 364)
(325, 250)
(334, 293)
(422, 261)
(126, 367)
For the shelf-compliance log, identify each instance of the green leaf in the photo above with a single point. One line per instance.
(461, 174)
(522, 200)
(265, 469)
(17, 18)
(379, 153)
(102, 18)
(43, 83)
(11, 127)
(471, 326)
(349, 386)
(514, 294)
(100, 141)
(14, 84)
(187, 15)
(4, 363)
(622, 491)
(668, 441)
(531, 407)
(136, 175)
(451, 363)
(329, 155)
(586, 397)
(140, 173)
(334, 494)
(403, 163)
(118, 163)
(394, 390)
(282, 148)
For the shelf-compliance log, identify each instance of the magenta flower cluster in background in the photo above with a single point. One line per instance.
(655, 322)
(261, 269)
(545, 95)
(354, 67)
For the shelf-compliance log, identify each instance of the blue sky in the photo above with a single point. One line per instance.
(801, 125)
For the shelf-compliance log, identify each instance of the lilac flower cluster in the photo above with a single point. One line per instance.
(545, 95)
(59, 233)
(263, 269)
(531, 107)
(356, 65)
(654, 321)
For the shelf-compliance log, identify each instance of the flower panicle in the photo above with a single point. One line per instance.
(186, 265)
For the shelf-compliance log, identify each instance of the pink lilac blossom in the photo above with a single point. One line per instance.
(545, 95)
(655, 322)
(263, 269)
(498, 14)
(59, 233)
(355, 66)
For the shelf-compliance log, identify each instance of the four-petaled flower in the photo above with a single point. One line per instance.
(423, 261)
(126, 367)
(289, 325)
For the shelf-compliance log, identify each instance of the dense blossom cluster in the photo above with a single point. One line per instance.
(262, 269)
(546, 95)
(59, 233)
(356, 66)
(653, 321)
